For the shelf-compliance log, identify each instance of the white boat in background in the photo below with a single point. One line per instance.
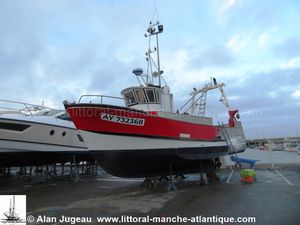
(37, 135)
(298, 149)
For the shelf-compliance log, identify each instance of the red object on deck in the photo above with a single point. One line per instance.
(232, 117)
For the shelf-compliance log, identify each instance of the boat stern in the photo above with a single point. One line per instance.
(235, 137)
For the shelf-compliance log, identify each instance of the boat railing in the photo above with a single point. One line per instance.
(101, 99)
(16, 107)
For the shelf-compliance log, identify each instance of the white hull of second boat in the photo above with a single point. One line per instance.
(9, 146)
(40, 130)
(34, 140)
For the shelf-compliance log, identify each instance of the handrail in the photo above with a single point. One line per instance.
(226, 136)
(28, 107)
(23, 103)
(101, 97)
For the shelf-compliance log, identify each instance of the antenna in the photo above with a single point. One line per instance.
(138, 72)
(155, 11)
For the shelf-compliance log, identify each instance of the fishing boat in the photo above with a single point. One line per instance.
(37, 135)
(11, 216)
(146, 137)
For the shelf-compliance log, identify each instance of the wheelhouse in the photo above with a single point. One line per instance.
(141, 95)
(149, 98)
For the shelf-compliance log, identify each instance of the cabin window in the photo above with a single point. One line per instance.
(150, 95)
(157, 96)
(80, 138)
(129, 97)
(13, 126)
(140, 95)
(64, 116)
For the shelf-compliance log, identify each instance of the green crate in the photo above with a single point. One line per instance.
(248, 173)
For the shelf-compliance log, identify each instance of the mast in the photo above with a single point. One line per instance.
(158, 61)
(153, 29)
(10, 209)
(13, 209)
(11, 214)
(153, 93)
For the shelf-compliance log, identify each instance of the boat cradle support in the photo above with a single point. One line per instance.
(207, 171)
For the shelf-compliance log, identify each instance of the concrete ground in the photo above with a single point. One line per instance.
(273, 199)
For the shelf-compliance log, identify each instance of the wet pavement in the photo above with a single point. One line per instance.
(273, 199)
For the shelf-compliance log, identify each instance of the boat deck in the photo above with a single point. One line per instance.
(273, 199)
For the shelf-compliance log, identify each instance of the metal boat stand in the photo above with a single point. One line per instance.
(212, 176)
(171, 186)
(22, 171)
(39, 175)
(212, 172)
(74, 170)
(150, 183)
(88, 168)
(203, 177)
(5, 172)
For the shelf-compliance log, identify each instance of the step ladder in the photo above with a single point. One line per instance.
(227, 139)
(202, 104)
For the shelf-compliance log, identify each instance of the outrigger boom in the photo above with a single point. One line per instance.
(198, 98)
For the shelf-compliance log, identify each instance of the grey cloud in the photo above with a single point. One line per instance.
(268, 114)
(260, 84)
(288, 48)
(215, 56)
(19, 39)
(72, 51)
(112, 76)
(257, 15)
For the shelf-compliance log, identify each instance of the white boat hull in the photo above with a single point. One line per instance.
(39, 140)
(110, 142)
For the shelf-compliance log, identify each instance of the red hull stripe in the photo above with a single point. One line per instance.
(113, 120)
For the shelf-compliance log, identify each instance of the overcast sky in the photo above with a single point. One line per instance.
(56, 50)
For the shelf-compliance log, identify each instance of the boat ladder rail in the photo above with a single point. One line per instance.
(225, 134)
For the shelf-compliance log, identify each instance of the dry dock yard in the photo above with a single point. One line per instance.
(274, 198)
